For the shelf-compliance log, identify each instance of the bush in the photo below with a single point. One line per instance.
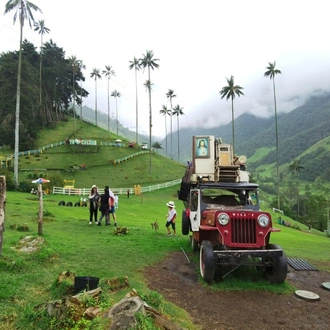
(10, 184)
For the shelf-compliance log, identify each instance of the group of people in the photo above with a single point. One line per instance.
(107, 205)
(105, 202)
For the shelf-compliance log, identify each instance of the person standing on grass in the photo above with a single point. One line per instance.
(104, 206)
(170, 218)
(112, 207)
(93, 203)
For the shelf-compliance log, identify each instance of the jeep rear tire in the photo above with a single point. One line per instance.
(185, 223)
(206, 261)
(194, 244)
(277, 268)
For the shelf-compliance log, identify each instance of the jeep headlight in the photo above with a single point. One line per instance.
(223, 219)
(263, 220)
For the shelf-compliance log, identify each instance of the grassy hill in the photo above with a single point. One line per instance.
(65, 161)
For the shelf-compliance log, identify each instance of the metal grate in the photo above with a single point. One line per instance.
(300, 264)
(243, 230)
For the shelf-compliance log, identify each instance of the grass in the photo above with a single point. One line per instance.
(72, 245)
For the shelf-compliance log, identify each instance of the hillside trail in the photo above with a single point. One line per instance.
(177, 280)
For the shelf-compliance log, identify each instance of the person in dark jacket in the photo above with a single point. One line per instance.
(104, 207)
(93, 204)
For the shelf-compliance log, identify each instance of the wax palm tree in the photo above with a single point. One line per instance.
(81, 66)
(148, 61)
(177, 111)
(170, 95)
(156, 145)
(96, 75)
(136, 65)
(42, 29)
(23, 11)
(148, 85)
(75, 66)
(164, 111)
(116, 94)
(295, 166)
(108, 72)
(271, 73)
(230, 91)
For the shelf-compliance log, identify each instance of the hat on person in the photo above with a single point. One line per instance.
(170, 204)
(94, 186)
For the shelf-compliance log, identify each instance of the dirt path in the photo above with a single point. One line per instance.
(241, 310)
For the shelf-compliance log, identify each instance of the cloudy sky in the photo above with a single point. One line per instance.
(199, 44)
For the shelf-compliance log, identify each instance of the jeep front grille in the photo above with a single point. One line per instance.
(243, 230)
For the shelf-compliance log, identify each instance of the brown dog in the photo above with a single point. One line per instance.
(154, 225)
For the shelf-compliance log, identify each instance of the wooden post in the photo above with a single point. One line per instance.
(2, 209)
(41, 209)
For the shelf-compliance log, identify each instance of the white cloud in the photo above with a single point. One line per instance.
(199, 44)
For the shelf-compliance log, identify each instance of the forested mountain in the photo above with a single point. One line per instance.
(299, 130)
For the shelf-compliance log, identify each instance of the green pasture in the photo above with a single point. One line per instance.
(71, 244)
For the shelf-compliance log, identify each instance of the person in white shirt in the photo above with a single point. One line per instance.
(170, 218)
(112, 207)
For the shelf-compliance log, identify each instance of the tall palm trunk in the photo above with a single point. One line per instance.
(136, 110)
(18, 98)
(150, 119)
(40, 78)
(166, 132)
(95, 102)
(277, 156)
(171, 129)
(178, 139)
(109, 104)
(117, 114)
(73, 100)
(81, 100)
(233, 123)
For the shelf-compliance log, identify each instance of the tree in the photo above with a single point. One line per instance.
(148, 61)
(75, 66)
(170, 95)
(81, 66)
(230, 91)
(108, 72)
(23, 10)
(164, 111)
(96, 75)
(295, 166)
(177, 110)
(156, 145)
(42, 29)
(116, 94)
(136, 65)
(271, 73)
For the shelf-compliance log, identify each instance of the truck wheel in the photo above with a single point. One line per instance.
(277, 268)
(194, 244)
(185, 223)
(206, 261)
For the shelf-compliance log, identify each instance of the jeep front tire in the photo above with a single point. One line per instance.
(206, 261)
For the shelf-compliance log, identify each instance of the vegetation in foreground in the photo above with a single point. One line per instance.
(73, 245)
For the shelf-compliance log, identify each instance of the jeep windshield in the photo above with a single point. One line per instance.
(229, 196)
